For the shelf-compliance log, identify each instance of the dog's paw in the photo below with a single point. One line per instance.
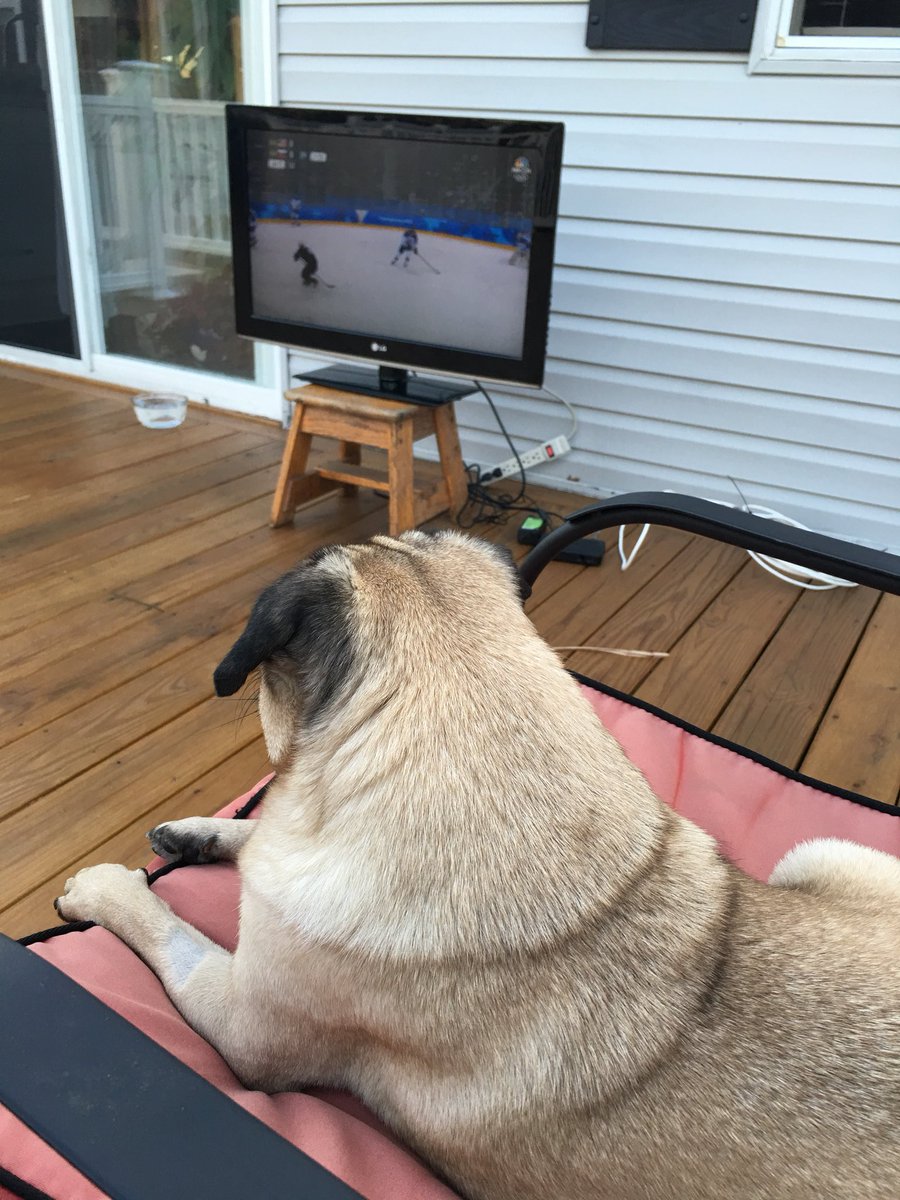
(192, 840)
(99, 893)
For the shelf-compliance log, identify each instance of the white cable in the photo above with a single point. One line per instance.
(814, 581)
(571, 434)
(627, 560)
(802, 577)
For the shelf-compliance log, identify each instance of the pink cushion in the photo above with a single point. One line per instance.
(755, 812)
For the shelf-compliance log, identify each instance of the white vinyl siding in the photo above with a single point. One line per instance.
(726, 298)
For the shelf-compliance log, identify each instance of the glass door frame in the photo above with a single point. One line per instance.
(259, 52)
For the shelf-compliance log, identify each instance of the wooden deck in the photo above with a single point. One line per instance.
(130, 559)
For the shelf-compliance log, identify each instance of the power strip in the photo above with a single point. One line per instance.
(545, 452)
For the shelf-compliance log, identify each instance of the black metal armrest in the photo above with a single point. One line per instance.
(129, 1115)
(846, 560)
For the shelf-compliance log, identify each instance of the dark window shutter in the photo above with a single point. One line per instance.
(670, 24)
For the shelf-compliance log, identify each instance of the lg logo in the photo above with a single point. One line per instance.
(379, 348)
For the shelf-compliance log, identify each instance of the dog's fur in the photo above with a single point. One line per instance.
(463, 903)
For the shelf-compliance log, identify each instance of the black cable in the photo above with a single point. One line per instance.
(492, 507)
(509, 440)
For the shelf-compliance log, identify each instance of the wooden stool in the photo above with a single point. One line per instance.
(356, 421)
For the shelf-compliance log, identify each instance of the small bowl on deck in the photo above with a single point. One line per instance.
(160, 410)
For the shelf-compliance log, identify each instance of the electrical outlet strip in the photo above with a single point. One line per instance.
(545, 452)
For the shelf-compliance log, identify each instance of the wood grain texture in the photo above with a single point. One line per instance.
(133, 506)
(357, 421)
(656, 617)
(54, 504)
(121, 589)
(595, 595)
(857, 744)
(230, 778)
(708, 663)
(401, 480)
(780, 704)
(447, 434)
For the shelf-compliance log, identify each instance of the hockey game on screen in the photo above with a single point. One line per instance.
(424, 243)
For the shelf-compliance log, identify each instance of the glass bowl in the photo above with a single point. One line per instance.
(160, 410)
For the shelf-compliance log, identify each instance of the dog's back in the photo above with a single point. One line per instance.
(547, 982)
(633, 1062)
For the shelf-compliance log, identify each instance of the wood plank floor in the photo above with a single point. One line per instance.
(130, 559)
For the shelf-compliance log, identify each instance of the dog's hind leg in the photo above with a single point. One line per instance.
(200, 839)
(843, 870)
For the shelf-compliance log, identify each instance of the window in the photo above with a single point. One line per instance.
(858, 18)
(848, 37)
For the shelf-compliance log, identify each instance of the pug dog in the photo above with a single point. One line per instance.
(463, 903)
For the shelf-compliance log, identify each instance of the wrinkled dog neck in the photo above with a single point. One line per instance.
(427, 818)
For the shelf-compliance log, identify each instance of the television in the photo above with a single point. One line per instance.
(414, 243)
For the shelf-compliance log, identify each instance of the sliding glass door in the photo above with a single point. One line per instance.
(154, 76)
(139, 89)
(36, 308)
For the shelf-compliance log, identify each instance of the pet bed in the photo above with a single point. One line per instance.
(109, 1093)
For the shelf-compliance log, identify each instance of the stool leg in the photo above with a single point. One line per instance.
(350, 453)
(293, 463)
(450, 453)
(401, 498)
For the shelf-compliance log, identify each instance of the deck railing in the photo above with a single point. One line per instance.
(159, 181)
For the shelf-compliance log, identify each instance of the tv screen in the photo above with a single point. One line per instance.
(407, 240)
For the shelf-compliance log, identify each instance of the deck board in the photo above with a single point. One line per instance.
(128, 845)
(91, 546)
(51, 502)
(857, 744)
(712, 658)
(657, 615)
(129, 559)
(571, 616)
(780, 704)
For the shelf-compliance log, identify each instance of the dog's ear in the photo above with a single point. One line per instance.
(273, 622)
(305, 616)
(523, 588)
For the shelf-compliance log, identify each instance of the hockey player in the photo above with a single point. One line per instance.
(522, 250)
(296, 205)
(409, 245)
(310, 265)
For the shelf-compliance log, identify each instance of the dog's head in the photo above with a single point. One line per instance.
(348, 612)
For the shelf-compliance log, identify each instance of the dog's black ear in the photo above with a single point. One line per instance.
(524, 589)
(273, 622)
(304, 616)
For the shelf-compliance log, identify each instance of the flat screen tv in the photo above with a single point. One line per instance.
(415, 243)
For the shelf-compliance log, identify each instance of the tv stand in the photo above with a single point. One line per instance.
(389, 383)
(388, 425)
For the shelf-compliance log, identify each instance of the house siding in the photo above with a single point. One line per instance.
(726, 300)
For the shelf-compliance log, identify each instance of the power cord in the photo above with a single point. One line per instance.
(492, 507)
(570, 436)
(509, 441)
(801, 577)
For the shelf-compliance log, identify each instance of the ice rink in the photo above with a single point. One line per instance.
(477, 302)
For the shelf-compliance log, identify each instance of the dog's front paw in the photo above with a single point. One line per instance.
(99, 893)
(191, 840)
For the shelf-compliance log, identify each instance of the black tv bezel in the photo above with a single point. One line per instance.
(545, 137)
